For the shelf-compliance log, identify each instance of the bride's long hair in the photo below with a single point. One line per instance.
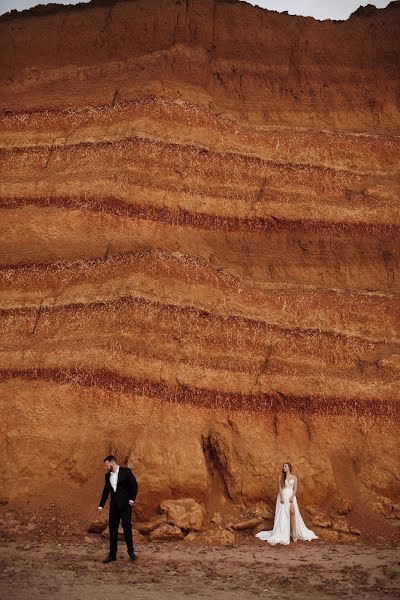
(284, 475)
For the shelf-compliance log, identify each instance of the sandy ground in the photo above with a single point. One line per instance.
(170, 570)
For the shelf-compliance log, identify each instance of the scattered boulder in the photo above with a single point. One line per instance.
(391, 513)
(320, 520)
(345, 507)
(261, 509)
(383, 506)
(248, 523)
(327, 535)
(396, 511)
(138, 537)
(166, 532)
(219, 536)
(216, 518)
(147, 528)
(355, 531)
(341, 526)
(97, 526)
(191, 537)
(184, 513)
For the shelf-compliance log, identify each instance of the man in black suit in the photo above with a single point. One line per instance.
(122, 485)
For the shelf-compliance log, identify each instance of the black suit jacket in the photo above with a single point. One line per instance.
(127, 488)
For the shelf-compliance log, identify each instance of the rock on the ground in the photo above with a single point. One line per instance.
(261, 509)
(219, 536)
(341, 525)
(97, 526)
(166, 532)
(383, 506)
(247, 523)
(185, 513)
(138, 537)
(327, 535)
(216, 518)
(396, 510)
(345, 507)
(321, 520)
(191, 537)
(88, 540)
(149, 526)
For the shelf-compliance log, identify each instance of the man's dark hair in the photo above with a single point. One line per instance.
(110, 458)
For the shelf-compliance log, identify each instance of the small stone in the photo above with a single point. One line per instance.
(88, 540)
(261, 509)
(355, 531)
(218, 536)
(341, 526)
(248, 523)
(191, 537)
(138, 537)
(345, 507)
(395, 513)
(166, 532)
(383, 506)
(320, 520)
(217, 519)
(327, 535)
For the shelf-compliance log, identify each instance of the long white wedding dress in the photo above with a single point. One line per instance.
(281, 531)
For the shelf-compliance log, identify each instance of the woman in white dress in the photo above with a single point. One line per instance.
(288, 522)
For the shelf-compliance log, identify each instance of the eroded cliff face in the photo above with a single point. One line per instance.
(200, 251)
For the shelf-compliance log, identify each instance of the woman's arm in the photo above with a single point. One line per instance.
(280, 490)
(294, 489)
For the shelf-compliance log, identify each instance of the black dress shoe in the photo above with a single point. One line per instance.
(109, 559)
(133, 556)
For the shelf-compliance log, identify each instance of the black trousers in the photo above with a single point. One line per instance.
(116, 515)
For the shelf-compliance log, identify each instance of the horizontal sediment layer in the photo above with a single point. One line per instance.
(186, 282)
(272, 403)
(181, 345)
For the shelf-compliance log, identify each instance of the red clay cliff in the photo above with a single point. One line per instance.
(200, 252)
